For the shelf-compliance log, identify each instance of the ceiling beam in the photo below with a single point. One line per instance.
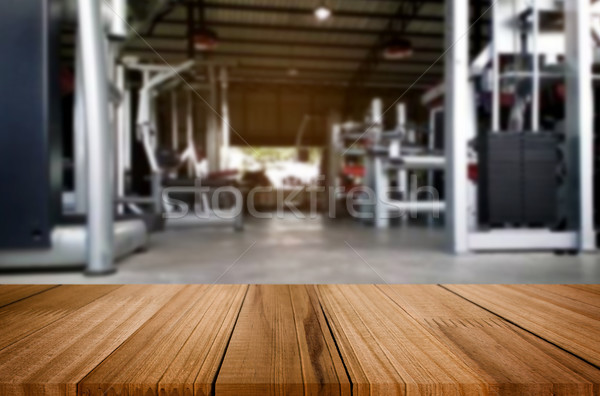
(300, 28)
(262, 55)
(276, 69)
(310, 11)
(339, 80)
(338, 83)
(317, 44)
(315, 58)
(295, 43)
(70, 37)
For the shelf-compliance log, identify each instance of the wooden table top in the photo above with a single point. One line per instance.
(190, 340)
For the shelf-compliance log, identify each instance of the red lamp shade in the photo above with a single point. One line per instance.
(397, 48)
(205, 40)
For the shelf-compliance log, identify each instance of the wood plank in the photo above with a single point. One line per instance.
(570, 329)
(24, 317)
(581, 301)
(53, 360)
(281, 345)
(511, 360)
(588, 288)
(194, 369)
(138, 365)
(12, 293)
(387, 352)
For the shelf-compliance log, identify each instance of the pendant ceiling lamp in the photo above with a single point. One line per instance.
(204, 39)
(397, 48)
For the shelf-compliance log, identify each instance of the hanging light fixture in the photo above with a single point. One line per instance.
(205, 39)
(397, 48)
(322, 12)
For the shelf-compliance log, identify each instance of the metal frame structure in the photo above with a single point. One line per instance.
(402, 160)
(392, 150)
(459, 101)
(157, 79)
(101, 31)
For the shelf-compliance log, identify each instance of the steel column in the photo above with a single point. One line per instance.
(174, 121)
(225, 122)
(212, 135)
(100, 247)
(579, 121)
(456, 105)
(535, 94)
(122, 123)
(80, 136)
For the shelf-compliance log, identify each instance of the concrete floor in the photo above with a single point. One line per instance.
(290, 250)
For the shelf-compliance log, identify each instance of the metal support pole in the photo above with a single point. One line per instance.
(431, 145)
(456, 107)
(402, 174)
(495, 67)
(212, 135)
(579, 121)
(174, 121)
(190, 135)
(381, 196)
(127, 136)
(333, 159)
(100, 234)
(80, 136)
(118, 27)
(535, 94)
(380, 174)
(225, 132)
(122, 129)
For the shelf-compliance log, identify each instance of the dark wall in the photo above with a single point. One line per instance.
(271, 115)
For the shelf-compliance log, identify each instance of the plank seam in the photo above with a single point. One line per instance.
(521, 327)
(304, 384)
(214, 382)
(335, 342)
(31, 295)
(211, 302)
(122, 343)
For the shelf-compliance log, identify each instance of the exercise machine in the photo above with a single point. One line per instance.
(204, 179)
(496, 103)
(382, 161)
(43, 224)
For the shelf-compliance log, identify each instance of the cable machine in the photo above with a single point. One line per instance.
(520, 129)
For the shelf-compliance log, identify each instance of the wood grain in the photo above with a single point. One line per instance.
(512, 361)
(24, 317)
(137, 366)
(573, 297)
(53, 360)
(568, 323)
(200, 340)
(588, 288)
(194, 369)
(387, 352)
(281, 346)
(12, 293)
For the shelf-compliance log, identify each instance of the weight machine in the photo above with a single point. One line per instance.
(529, 47)
(388, 156)
(165, 162)
(44, 226)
